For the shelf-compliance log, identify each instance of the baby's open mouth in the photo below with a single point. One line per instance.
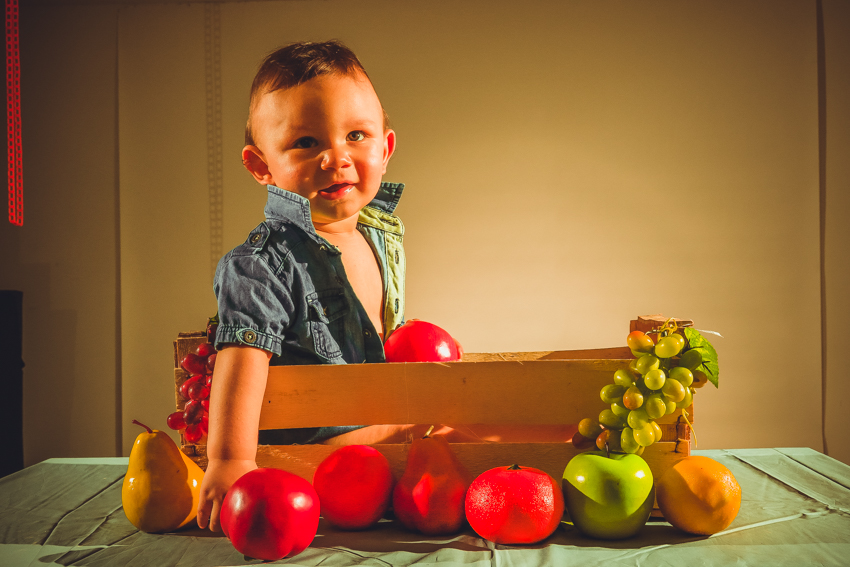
(336, 191)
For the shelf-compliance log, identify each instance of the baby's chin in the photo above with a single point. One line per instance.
(340, 215)
(323, 211)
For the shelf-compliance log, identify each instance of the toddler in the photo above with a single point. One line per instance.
(321, 280)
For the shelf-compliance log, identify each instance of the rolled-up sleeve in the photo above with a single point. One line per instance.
(254, 305)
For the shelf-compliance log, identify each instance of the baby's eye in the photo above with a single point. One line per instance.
(356, 136)
(305, 142)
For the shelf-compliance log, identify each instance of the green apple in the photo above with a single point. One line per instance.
(608, 497)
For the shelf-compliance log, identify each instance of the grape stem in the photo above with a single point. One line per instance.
(691, 425)
(669, 327)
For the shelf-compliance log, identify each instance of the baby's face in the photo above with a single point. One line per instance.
(325, 140)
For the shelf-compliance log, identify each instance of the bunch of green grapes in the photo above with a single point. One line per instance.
(660, 380)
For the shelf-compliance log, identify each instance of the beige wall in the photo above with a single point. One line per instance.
(165, 273)
(837, 233)
(64, 257)
(569, 166)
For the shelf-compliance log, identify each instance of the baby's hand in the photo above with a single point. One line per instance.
(219, 477)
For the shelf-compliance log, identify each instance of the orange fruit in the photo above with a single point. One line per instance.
(698, 495)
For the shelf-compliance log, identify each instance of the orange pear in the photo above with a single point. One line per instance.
(162, 485)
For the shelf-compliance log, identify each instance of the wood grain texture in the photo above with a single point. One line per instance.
(534, 392)
(551, 458)
(616, 353)
(503, 392)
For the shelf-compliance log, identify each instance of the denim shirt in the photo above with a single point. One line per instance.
(284, 290)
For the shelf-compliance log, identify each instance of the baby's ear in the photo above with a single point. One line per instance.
(389, 147)
(255, 162)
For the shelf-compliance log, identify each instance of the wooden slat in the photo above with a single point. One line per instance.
(504, 356)
(477, 457)
(618, 353)
(612, 353)
(504, 392)
(303, 459)
(532, 392)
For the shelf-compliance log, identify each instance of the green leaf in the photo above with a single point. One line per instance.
(709, 355)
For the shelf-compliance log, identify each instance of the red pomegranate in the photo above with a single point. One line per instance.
(511, 505)
(419, 341)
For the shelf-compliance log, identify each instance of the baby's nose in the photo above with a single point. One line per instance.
(334, 158)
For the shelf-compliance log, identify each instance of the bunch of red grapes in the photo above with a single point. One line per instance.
(193, 421)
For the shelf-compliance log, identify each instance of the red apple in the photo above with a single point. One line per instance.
(418, 341)
(354, 484)
(270, 514)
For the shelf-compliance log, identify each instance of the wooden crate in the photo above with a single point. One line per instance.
(552, 387)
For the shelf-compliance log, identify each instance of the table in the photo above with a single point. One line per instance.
(795, 511)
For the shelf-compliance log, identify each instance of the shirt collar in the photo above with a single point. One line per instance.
(290, 207)
(387, 197)
(293, 208)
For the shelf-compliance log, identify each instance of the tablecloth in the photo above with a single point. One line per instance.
(795, 511)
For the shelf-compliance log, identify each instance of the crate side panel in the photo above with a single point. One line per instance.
(505, 392)
(551, 458)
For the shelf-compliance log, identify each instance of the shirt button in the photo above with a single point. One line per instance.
(249, 337)
(339, 279)
(256, 238)
(323, 247)
(367, 332)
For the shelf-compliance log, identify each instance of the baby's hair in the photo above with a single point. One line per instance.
(297, 63)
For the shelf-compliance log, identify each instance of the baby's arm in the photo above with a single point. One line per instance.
(235, 402)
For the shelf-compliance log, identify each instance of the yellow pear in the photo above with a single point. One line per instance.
(161, 488)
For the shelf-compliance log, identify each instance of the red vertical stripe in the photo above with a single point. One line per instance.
(13, 116)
